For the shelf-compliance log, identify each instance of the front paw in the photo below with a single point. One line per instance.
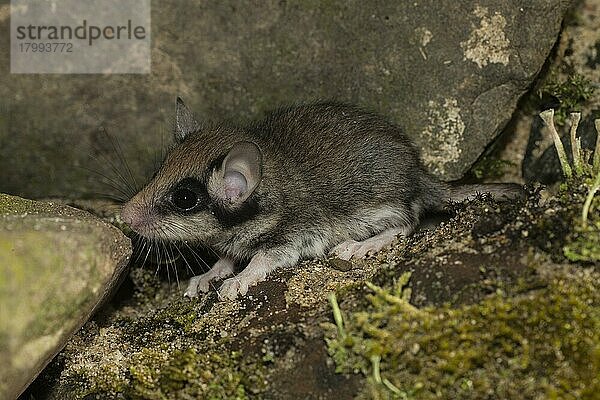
(232, 287)
(198, 284)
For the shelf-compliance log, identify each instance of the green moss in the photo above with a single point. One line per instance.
(164, 373)
(583, 243)
(491, 168)
(544, 344)
(573, 93)
(156, 375)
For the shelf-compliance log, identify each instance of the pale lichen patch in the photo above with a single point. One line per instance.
(442, 135)
(487, 44)
(423, 36)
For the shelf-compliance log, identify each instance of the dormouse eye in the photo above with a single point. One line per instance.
(188, 195)
(184, 199)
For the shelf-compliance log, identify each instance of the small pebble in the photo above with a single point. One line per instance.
(340, 265)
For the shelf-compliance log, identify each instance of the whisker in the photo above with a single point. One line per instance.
(126, 177)
(108, 181)
(141, 250)
(184, 259)
(174, 264)
(150, 244)
(160, 247)
(196, 256)
(120, 180)
(117, 147)
(170, 258)
(106, 196)
(105, 160)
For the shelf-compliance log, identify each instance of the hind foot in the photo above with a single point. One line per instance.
(354, 249)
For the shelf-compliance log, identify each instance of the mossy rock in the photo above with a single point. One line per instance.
(58, 265)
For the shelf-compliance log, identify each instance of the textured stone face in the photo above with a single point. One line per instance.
(450, 73)
(56, 266)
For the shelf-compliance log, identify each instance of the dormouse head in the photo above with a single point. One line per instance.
(203, 186)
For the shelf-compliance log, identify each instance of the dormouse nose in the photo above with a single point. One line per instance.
(131, 215)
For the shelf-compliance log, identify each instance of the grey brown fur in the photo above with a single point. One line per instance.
(331, 176)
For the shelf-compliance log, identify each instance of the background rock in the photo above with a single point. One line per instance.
(450, 73)
(58, 265)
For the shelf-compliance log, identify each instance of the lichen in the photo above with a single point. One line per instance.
(442, 135)
(423, 36)
(541, 344)
(488, 43)
(579, 191)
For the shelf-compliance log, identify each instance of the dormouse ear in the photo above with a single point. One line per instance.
(240, 173)
(185, 122)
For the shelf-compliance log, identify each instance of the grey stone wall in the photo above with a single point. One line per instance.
(449, 72)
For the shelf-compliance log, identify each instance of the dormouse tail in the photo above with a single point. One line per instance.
(439, 194)
(498, 191)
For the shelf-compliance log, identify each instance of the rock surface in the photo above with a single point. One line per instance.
(57, 265)
(450, 73)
